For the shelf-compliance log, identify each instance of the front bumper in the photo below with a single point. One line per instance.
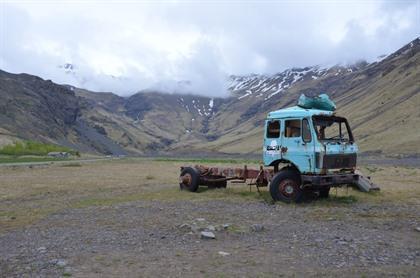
(330, 180)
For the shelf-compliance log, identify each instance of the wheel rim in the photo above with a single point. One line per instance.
(186, 180)
(288, 188)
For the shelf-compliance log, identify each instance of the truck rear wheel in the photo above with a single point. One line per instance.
(189, 179)
(285, 186)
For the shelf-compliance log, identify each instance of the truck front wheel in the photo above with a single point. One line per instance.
(285, 186)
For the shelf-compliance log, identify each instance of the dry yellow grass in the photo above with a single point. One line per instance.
(29, 194)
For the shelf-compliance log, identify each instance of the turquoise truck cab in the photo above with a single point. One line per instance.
(313, 141)
(316, 145)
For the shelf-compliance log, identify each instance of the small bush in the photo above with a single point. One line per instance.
(150, 177)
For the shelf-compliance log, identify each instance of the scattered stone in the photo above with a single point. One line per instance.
(211, 228)
(207, 235)
(200, 219)
(417, 229)
(59, 262)
(225, 226)
(223, 254)
(257, 228)
(185, 227)
(42, 249)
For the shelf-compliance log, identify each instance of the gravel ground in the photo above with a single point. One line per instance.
(127, 218)
(148, 239)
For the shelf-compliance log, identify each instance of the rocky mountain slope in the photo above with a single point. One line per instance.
(35, 109)
(380, 99)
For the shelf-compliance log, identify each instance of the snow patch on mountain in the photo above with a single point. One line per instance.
(268, 86)
(197, 106)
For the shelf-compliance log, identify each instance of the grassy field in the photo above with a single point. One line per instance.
(29, 194)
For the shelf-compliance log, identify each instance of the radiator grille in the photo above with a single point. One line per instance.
(336, 161)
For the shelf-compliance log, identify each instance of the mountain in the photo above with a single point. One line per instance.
(37, 109)
(380, 99)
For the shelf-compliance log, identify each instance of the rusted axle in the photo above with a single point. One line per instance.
(192, 177)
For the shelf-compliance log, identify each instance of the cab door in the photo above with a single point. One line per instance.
(297, 144)
(272, 141)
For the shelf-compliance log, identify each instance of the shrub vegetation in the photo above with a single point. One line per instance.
(33, 148)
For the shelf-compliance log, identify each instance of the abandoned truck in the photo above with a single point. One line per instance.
(306, 147)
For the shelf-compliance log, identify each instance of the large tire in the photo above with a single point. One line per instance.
(192, 179)
(324, 192)
(286, 186)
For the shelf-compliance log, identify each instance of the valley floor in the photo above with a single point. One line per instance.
(128, 218)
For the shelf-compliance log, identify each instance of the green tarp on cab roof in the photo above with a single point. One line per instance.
(321, 102)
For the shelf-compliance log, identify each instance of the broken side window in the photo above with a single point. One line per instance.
(306, 131)
(273, 129)
(292, 128)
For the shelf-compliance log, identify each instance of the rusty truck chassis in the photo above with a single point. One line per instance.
(215, 176)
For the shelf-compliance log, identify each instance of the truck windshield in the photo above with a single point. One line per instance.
(332, 128)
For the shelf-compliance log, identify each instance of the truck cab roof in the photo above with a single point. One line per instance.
(297, 112)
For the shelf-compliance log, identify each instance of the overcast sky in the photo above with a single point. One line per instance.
(126, 46)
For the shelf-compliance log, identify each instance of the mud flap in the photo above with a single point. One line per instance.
(364, 184)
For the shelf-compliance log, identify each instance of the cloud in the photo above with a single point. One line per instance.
(194, 46)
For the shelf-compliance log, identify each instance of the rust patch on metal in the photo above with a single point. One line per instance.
(211, 176)
(283, 150)
(185, 179)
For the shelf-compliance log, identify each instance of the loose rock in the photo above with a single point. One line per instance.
(207, 235)
(61, 263)
(257, 228)
(185, 227)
